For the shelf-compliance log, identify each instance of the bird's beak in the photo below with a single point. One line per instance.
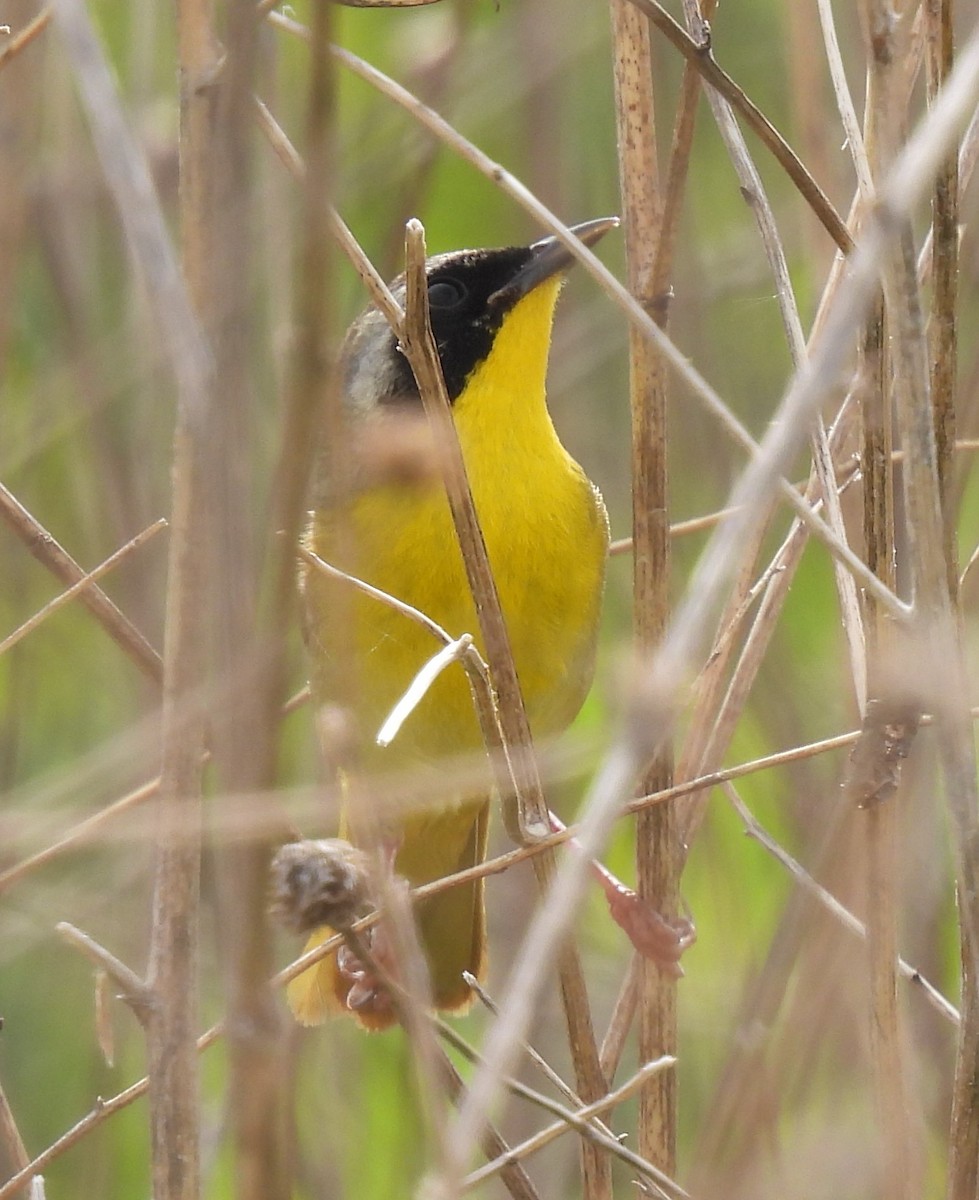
(547, 258)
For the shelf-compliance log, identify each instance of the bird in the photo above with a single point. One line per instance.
(546, 532)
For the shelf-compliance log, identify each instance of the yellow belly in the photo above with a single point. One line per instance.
(547, 550)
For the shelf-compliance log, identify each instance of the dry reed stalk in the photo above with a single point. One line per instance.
(899, 1163)
(532, 818)
(728, 708)
(753, 191)
(173, 964)
(547, 932)
(937, 652)
(743, 1074)
(14, 1158)
(880, 820)
(944, 230)
(100, 1112)
(246, 625)
(583, 1120)
(681, 150)
(715, 719)
(172, 972)
(657, 851)
(903, 178)
(257, 820)
(815, 135)
(106, 1108)
(963, 1169)
(59, 562)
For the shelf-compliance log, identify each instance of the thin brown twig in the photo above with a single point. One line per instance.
(753, 190)
(20, 41)
(701, 57)
(591, 1128)
(905, 182)
(86, 829)
(709, 520)
(101, 1111)
(824, 317)
(621, 1019)
(756, 831)
(409, 987)
(963, 1171)
(942, 327)
(250, 567)
(677, 170)
(106, 1108)
(59, 562)
(15, 1152)
(134, 990)
(513, 1176)
(720, 707)
(80, 833)
(844, 102)
(82, 585)
(419, 344)
(578, 1120)
(301, 964)
(532, 1053)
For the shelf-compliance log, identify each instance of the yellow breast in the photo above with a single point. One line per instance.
(546, 535)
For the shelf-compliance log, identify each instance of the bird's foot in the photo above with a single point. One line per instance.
(657, 938)
(364, 976)
(366, 962)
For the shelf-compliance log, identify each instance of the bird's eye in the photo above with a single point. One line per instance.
(446, 293)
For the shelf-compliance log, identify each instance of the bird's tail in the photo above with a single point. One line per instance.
(451, 927)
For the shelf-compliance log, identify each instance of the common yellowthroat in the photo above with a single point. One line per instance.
(546, 534)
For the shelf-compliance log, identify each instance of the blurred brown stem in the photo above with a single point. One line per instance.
(963, 1170)
(13, 1154)
(940, 658)
(657, 850)
(251, 582)
(420, 348)
(887, 49)
(59, 562)
(23, 37)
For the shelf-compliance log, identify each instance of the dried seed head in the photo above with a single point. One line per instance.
(318, 883)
